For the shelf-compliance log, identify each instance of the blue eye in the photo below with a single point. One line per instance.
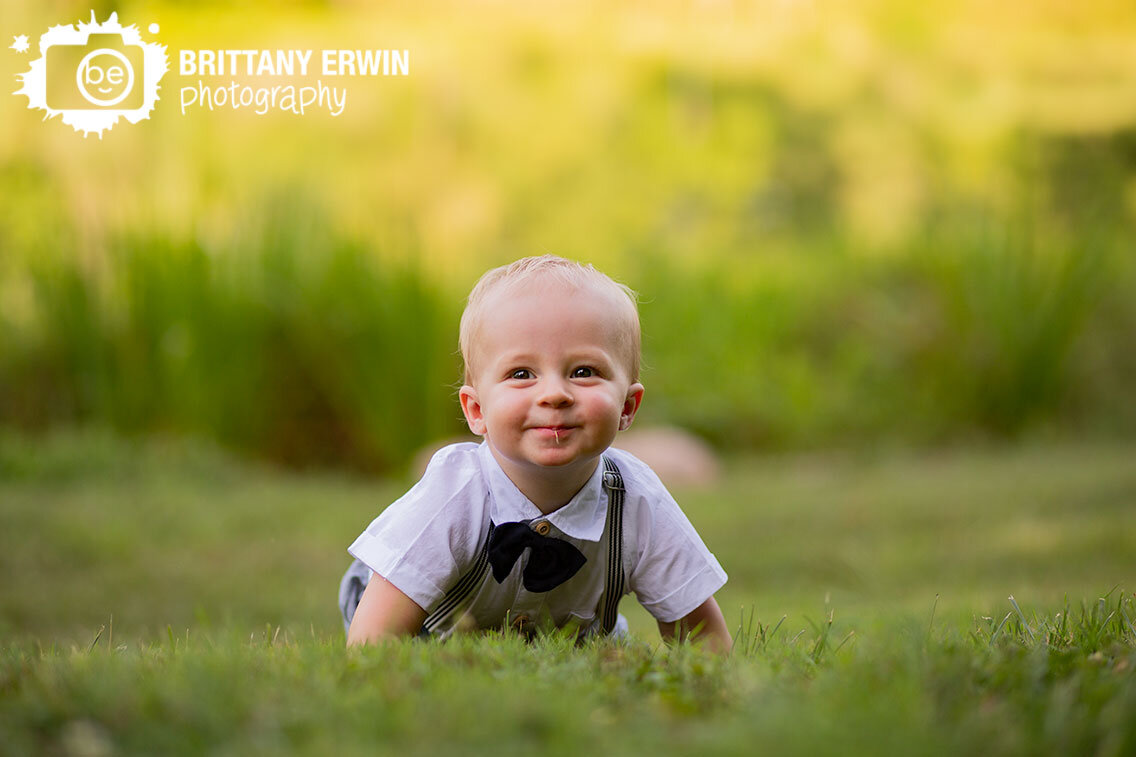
(583, 372)
(521, 374)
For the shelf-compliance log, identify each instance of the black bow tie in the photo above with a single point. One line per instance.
(551, 563)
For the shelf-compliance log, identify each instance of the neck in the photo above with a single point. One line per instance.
(548, 488)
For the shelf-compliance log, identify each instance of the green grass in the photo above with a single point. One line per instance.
(160, 597)
(1061, 684)
(175, 533)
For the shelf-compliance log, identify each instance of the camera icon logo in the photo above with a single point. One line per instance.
(93, 74)
(104, 73)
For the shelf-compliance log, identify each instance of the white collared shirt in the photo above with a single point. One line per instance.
(430, 537)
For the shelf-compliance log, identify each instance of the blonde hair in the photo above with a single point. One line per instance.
(546, 268)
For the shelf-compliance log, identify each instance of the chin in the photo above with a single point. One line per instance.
(554, 458)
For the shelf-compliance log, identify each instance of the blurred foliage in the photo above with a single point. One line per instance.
(848, 221)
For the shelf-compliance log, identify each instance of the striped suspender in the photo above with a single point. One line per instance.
(613, 591)
(463, 589)
(468, 584)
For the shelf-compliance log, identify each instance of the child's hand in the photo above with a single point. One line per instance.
(703, 624)
(384, 612)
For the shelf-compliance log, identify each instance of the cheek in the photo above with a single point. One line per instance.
(604, 404)
(505, 407)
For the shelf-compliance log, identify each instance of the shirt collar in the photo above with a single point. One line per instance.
(582, 518)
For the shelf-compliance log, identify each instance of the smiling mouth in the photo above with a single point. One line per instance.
(556, 431)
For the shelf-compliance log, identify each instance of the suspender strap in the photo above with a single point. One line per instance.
(463, 590)
(613, 591)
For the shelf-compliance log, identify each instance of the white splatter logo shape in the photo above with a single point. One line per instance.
(92, 74)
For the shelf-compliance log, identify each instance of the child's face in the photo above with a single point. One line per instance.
(550, 384)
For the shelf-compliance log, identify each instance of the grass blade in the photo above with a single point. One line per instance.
(1023, 617)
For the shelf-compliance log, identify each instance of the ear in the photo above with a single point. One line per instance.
(471, 408)
(630, 406)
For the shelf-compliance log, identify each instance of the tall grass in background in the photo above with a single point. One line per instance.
(304, 347)
(296, 345)
(994, 333)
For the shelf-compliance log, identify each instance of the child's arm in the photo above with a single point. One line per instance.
(710, 624)
(384, 612)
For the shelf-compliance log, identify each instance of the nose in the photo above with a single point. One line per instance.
(554, 392)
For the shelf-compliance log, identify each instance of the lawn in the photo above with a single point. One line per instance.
(160, 597)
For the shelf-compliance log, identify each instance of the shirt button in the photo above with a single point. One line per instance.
(542, 527)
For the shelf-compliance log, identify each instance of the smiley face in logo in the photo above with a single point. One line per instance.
(94, 74)
(104, 77)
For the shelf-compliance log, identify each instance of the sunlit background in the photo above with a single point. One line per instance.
(846, 221)
(853, 225)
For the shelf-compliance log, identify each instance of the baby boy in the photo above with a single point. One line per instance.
(543, 524)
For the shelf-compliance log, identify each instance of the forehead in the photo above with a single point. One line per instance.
(547, 315)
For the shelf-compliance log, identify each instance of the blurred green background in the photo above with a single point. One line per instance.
(849, 222)
(854, 225)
